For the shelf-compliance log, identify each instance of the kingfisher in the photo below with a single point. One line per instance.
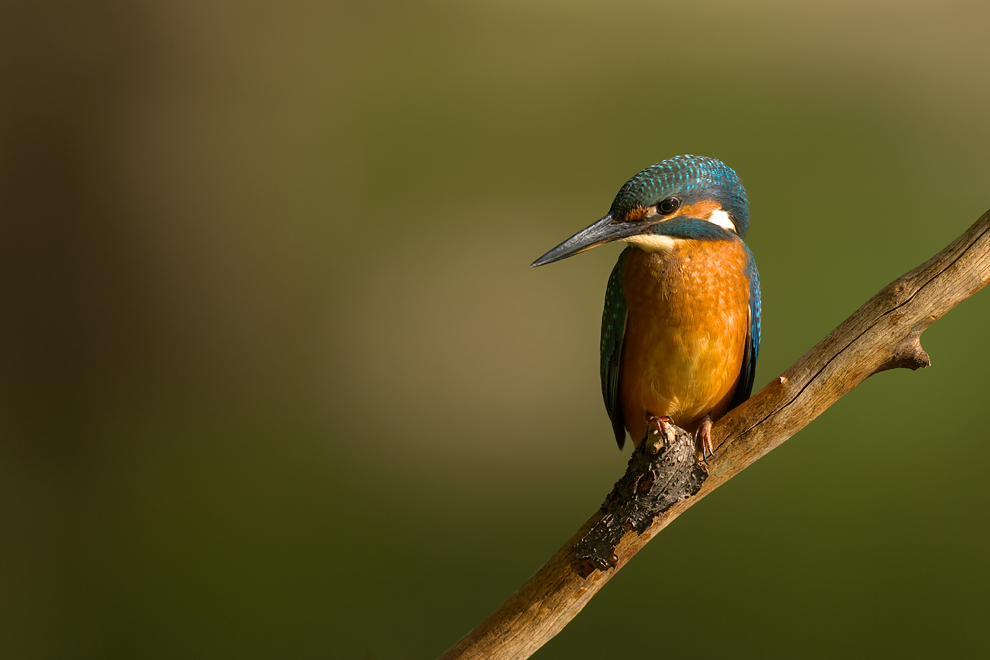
(681, 325)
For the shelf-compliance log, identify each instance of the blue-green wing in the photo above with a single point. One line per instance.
(613, 331)
(748, 373)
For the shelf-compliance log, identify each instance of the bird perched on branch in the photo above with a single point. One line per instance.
(681, 326)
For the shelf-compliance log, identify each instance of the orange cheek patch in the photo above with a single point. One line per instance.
(698, 210)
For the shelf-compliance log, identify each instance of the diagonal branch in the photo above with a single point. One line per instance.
(660, 483)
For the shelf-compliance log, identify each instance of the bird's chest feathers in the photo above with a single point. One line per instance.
(695, 285)
(688, 318)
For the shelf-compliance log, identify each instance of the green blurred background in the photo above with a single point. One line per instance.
(277, 380)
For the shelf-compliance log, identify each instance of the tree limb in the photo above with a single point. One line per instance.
(661, 483)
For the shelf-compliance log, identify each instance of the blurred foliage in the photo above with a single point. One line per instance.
(277, 382)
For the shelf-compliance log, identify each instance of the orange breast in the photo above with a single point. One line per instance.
(688, 318)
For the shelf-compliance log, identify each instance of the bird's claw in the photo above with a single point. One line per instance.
(661, 427)
(703, 438)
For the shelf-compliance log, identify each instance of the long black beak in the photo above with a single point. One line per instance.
(605, 230)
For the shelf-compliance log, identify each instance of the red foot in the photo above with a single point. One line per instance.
(661, 427)
(703, 438)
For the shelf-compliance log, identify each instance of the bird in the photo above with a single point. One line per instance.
(681, 325)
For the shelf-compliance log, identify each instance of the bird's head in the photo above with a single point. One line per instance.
(682, 198)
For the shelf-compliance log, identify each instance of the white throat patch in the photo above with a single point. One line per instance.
(653, 242)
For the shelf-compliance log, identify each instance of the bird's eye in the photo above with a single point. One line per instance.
(669, 205)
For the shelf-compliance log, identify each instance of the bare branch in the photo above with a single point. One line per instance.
(661, 483)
